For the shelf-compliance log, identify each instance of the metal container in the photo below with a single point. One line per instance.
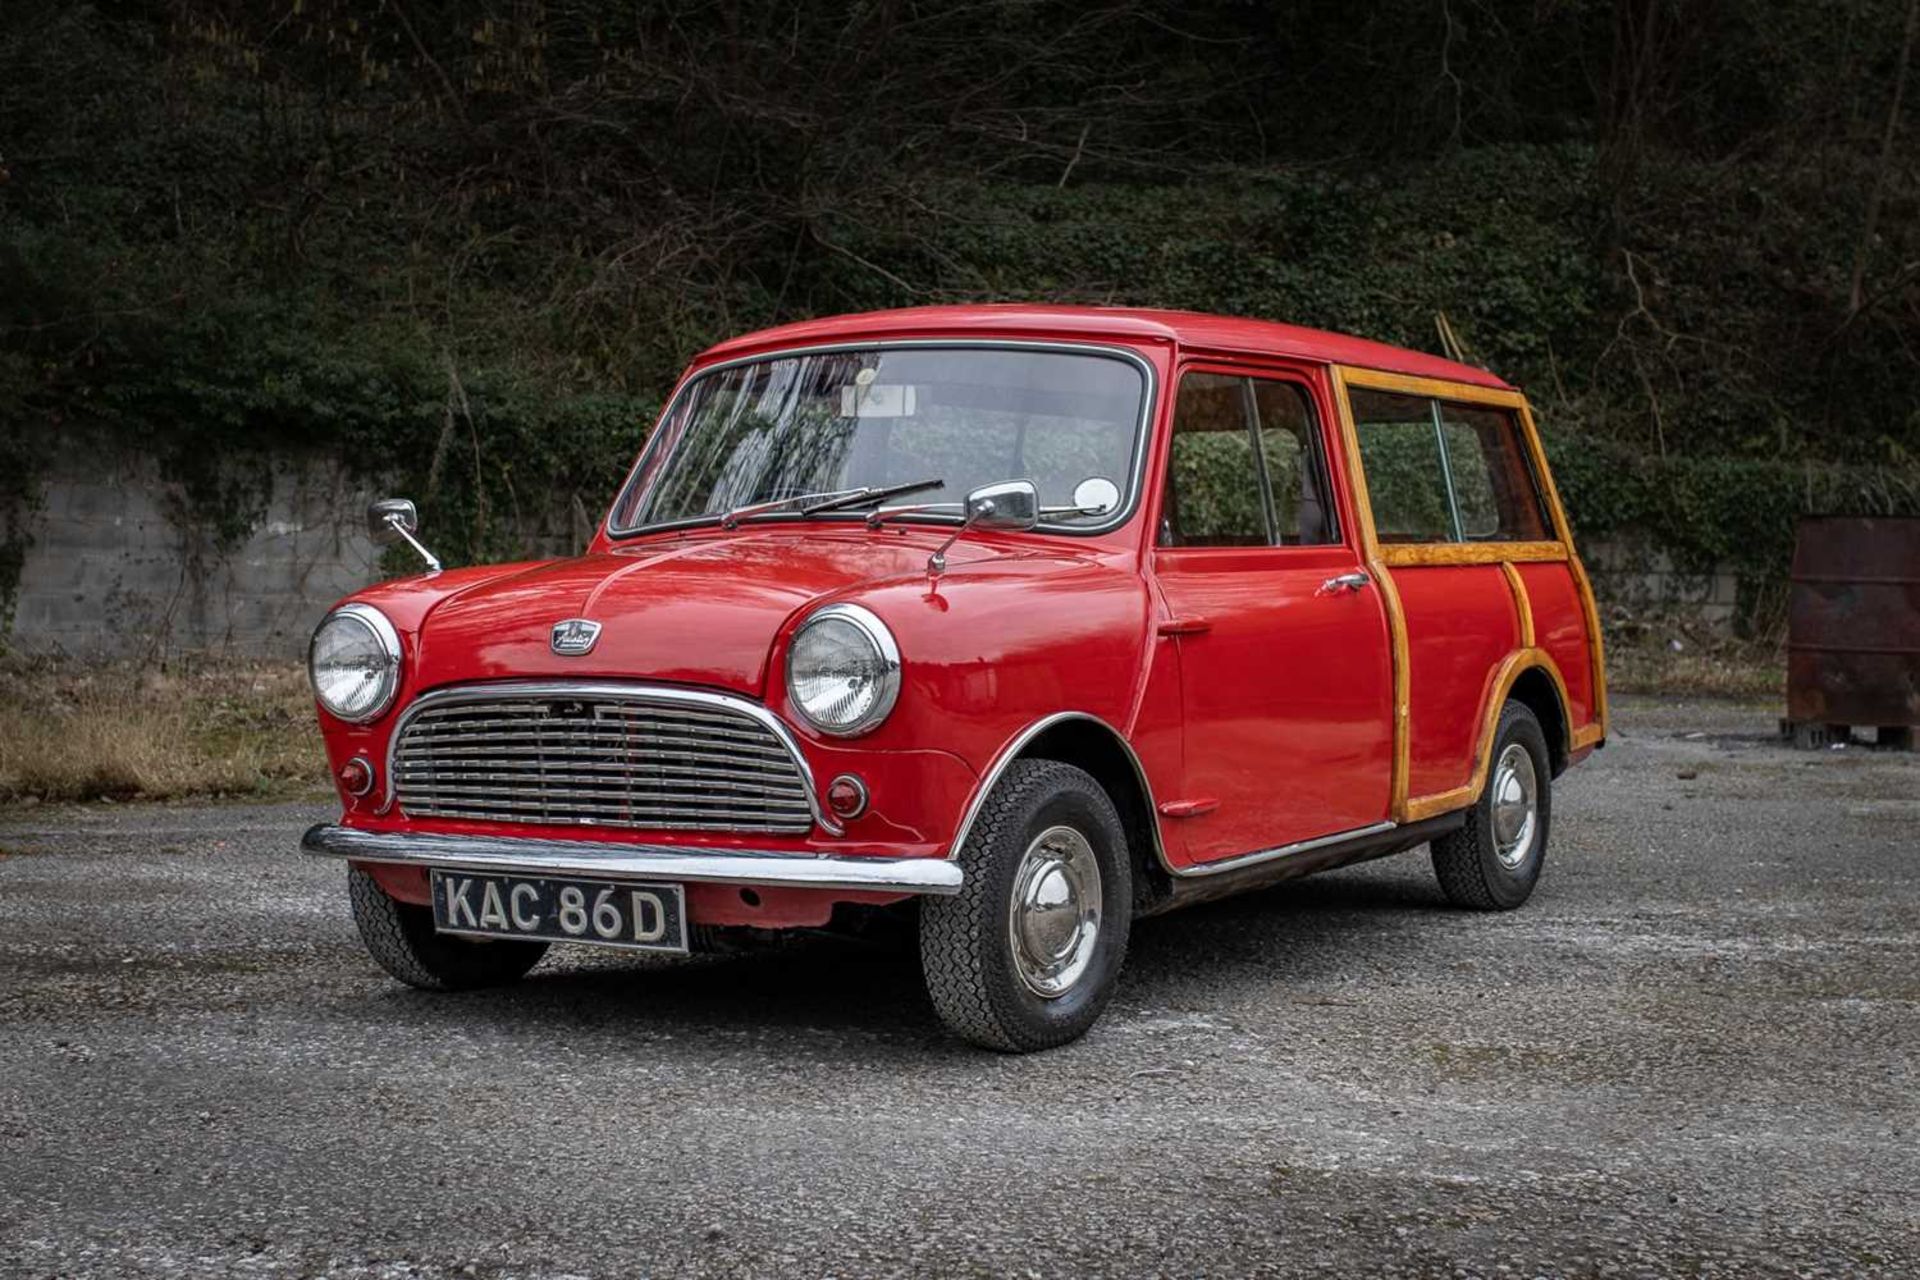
(1853, 627)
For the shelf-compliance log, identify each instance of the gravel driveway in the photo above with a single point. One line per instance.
(1693, 1054)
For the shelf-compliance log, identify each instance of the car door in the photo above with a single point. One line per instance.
(1284, 656)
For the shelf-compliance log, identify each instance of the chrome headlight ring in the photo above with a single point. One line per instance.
(843, 670)
(353, 663)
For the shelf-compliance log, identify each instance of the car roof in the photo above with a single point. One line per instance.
(1192, 329)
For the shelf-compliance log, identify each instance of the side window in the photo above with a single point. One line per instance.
(1492, 480)
(1296, 473)
(1406, 472)
(1443, 472)
(1213, 488)
(1221, 492)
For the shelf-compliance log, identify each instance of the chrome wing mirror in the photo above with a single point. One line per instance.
(1010, 504)
(391, 521)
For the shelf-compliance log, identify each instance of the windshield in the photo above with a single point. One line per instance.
(834, 421)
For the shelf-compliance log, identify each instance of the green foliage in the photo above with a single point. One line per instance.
(1711, 511)
(1405, 483)
(1216, 489)
(466, 246)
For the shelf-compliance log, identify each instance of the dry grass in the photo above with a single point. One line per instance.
(192, 728)
(199, 727)
(1661, 656)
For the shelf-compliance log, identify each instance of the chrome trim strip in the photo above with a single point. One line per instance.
(1149, 400)
(484, 690)
(600, 858)
(1243, 860)
(1011, 752)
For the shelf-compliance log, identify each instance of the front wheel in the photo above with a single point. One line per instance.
(1025, 956)
(1493, 861)
(402, 938)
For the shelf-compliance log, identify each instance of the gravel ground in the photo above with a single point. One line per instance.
(1692, 1054)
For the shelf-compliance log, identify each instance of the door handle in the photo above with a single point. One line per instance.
(1345, 582)
(1185, 626)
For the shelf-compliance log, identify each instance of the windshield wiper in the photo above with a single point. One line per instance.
(861, 497)
(827, 500)
(735, 516)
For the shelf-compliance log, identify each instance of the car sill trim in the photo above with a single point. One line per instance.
(632, 861)
(1243, 860)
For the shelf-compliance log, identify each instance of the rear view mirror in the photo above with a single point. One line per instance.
(1011, 504)
(394, 520)
(390, 520)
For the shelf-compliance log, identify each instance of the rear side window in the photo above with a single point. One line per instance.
(1492, 480)
(1444, 472)
(1406, 472)
(1246, 468)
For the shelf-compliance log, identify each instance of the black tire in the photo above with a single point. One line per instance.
(966, 952)
(401, 937)
(1467, 862)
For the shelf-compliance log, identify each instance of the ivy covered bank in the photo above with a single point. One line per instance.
(460, 249)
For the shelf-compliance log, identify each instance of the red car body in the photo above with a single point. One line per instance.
(1250, 718)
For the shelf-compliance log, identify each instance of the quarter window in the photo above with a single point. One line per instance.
(1406, 471)
(1246, 467)
(1492, 479)
(1444, 472)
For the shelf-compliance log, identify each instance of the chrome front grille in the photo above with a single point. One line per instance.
(599, 755)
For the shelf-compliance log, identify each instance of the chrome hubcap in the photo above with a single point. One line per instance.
(1516, 805)
(1054, 920)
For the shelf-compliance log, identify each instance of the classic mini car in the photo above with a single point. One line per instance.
(1011, 623)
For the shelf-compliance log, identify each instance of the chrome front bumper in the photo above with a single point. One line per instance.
(619, 861)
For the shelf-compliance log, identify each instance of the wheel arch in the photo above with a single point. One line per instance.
(1089, 743)
(1530, 677)
(1538, 691)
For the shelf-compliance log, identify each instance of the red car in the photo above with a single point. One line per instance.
(1018, 623)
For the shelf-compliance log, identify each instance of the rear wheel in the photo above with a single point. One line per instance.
(401, 937)
(1493, 861)
(1025, 956)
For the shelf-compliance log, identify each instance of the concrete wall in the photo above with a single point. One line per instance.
(1641, 579)
(113, 571)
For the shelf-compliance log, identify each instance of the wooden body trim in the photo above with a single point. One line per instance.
(1438, 388)
(1389, 594)
(1381, 559)
(1504, 676)
(1413, 554)
(1522, 603)
(1596, 645)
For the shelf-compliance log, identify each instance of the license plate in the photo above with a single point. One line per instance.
(608, 913)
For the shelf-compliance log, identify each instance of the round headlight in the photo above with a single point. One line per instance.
(354, 662)
(843, 670)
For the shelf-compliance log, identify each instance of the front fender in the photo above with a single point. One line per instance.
(988, 650)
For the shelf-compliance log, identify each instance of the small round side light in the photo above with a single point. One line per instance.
(356, 776)
(847, 796)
